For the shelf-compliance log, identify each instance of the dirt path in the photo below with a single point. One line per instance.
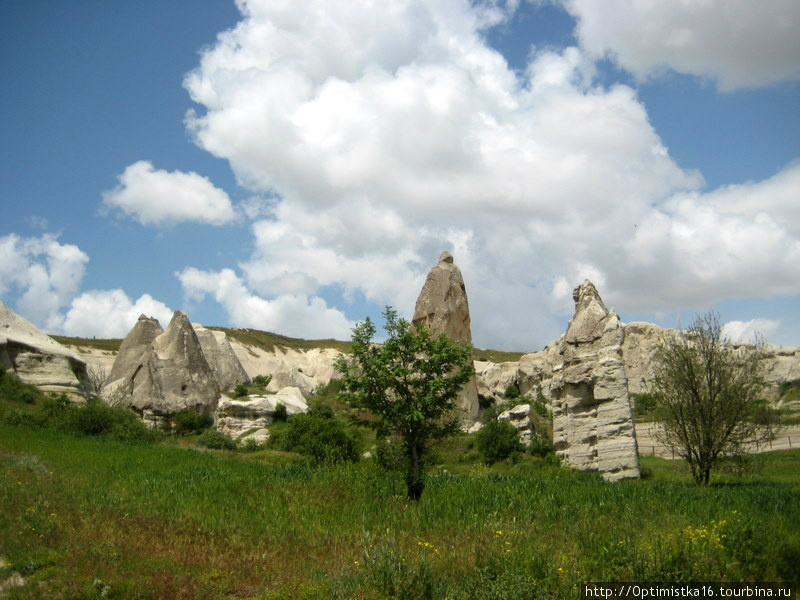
(788, 438)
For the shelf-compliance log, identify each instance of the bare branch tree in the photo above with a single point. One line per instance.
(708, 393)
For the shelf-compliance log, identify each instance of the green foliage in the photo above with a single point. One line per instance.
(215, 440)
(541, 446)
(13, 390)
(107, 345)
(398, 576)
(262, 380)
(269, 341)
(94, 418)
(187, 421)
(512, 391)
(319, 436)
(389, 453)
(240, 390)
(158, 521)
(498, 440)
(708, 395)
(644, 404)
(281, 414)
(409, 383)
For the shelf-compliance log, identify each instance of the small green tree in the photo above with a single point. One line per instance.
(410, 383)
(708, 394)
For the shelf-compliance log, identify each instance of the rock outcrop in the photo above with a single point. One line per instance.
(520, 417)
(592, 421)
(304, 369)
(220, 356)
(249, 418)
(38, 359)
(170, 374)
(781, 363)
(136, 344)
(443, 307)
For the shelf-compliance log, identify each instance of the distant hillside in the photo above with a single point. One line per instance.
(109, 345)
(267, 341)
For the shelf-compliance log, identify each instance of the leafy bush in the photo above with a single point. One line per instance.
(389, 453)
(215, 440)
(262, 380)
(497, 441)
(94, 418)
(318, 408)
(11, 388)
(281, 414)
(185, 422)
(643, 404)
(323, 439)
(512, 391)
(240, 390)
(540, 446)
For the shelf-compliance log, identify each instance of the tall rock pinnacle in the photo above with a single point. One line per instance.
(592, 421)
(443, 307)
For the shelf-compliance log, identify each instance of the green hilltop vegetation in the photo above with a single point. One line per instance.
(92, 505)
(269, 341)
(106, 345)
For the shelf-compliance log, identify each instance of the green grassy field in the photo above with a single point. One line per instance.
(90, 518)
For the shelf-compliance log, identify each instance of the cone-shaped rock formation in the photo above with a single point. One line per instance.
(170, 374)
(443, 307)
(227, 369)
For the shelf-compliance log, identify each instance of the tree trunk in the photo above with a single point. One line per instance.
(414, 483)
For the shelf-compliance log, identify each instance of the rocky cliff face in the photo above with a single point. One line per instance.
(167, 375)
(443, 307)
(305, 370)
(249, 418)
(133, 348)
(592, 421)
(228, 371)
(38, 359)
(781, 363)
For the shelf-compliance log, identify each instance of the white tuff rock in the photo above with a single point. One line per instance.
(592, 421)
(165, 376)
(443, 307)
(250, 417)
(36, 358)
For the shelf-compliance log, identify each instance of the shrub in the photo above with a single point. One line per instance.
(318, 408)
(240, 390)
(540, 446)
(215, 440)
(94, 418)
(185, 422)
(389, 453)
(512, 391)
(497, 441)
(262, 380)
(11, 388)
(324, 440)
(643, 404)
(281, 414)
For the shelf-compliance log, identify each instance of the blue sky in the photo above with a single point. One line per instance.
(296, 166)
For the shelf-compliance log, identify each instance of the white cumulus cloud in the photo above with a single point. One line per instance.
(110, 313)
(749, 331)
(292, 314)
(46, 277)
(157, 197)
(385, 134)
(46, 273)
(738, 43)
